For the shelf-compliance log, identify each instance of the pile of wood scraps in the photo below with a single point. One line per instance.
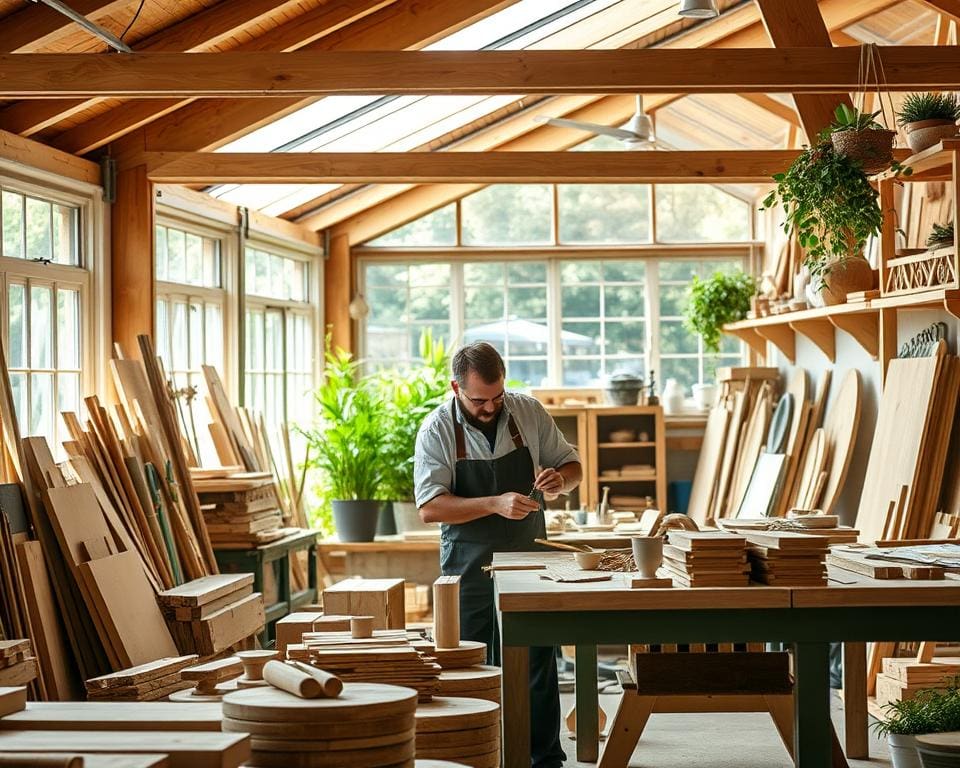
(153, 681)
(903, 481)
(787, 559)
(213, 614)
(18, 665)
(706, 559)
(241, 510)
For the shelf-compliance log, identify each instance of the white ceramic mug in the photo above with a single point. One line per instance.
(647, 554)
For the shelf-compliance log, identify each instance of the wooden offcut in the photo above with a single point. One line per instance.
(384, 599)
(446, 612)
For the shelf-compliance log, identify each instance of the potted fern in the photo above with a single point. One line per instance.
(858, 136)
(929, 711)
(927, 118)
(724, 297)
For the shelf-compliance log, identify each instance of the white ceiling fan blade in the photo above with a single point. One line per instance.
(606, 130)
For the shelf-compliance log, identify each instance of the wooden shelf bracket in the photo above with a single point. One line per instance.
(821, 332)
(752, 338)
(783, 338)
(863, 328)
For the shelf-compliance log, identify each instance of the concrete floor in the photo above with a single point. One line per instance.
(714, 740)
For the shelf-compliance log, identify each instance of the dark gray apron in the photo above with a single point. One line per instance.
(464, 550)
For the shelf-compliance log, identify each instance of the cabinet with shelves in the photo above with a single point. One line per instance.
(634, 469)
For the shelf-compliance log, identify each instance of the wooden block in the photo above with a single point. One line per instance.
(19, 674)
(654, 583)
(113, 716)
(229, 625)
(218, 671)
(361, 627)
(12, 699)
(384, 599)
(446, 611)
(290, 629)
(196, 749)
(205, 611)
(205, 590)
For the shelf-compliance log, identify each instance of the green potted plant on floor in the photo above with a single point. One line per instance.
(724, 297)
(347, 445)
(929, 711)
(927, 118)
(409, 396)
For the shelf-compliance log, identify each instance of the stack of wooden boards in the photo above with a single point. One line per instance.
(18, 665)
(757, 462)
(787, 559)
(460, 729)
(905, 473)
(210, 615)
(903, 679)
(480, 681)
(706, 559)
(153, 681)
(241, 510)
(387, 657)
(366, 726)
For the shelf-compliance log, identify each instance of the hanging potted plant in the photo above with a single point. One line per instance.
(859, 137)
(929, 711)
(347, 444)
(927, 118)
(722, 298)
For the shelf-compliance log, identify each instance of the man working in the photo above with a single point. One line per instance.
(478, 459)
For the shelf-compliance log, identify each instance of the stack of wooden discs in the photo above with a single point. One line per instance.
(469, 653)
(437, 764)
(477, 682)
(465, 730)
(367, 726)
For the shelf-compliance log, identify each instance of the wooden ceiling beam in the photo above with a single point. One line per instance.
(840, 38)
(950, 7)
(33, 154)
(800, 23)
(37, 26)
(282, 75)
(713, 166)
(198, 32)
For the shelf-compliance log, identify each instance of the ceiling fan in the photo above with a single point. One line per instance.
(636, 134)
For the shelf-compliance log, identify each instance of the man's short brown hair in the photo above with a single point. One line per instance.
(481, 358)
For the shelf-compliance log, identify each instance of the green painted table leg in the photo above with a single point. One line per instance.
(588, 716)
(812, 732)
(515, 707)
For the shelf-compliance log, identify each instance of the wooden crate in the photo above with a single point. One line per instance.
(383, 599)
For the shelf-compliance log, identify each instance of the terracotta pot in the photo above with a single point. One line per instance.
(923, 134)
(871, 148)
(844, 276)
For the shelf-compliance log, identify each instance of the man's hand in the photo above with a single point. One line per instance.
(515, 506)
(549, 481)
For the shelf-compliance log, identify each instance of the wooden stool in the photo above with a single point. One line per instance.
(702, 682)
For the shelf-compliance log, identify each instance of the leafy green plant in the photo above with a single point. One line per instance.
(929, 106)
(721, 298)
(929, 711)
(409, 396)
(847, 118)
(940, 233)
(347, 444)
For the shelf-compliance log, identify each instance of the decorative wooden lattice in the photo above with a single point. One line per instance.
(921, 272)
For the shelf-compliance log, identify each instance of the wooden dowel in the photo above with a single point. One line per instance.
(361, 627)
(306, 683)
(446, 612)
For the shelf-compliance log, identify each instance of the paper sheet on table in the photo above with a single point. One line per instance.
(943, 555)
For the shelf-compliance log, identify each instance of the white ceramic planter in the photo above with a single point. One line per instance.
(903, 751)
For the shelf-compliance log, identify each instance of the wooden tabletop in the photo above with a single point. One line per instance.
(526, 591)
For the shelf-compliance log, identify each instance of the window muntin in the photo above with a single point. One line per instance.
(275, 276)
(36, 229)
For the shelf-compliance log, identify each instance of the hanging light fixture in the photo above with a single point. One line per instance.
(698, 9)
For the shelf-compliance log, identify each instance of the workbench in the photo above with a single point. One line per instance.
(855, 609)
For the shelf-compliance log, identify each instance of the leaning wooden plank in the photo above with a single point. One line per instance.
(123, 594)
(80, 760)
(205, 590)
(223, 410)
(195, 749)
(708, 464)
(142, 672)
(114, 716)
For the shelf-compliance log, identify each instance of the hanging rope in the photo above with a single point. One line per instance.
(871, 70)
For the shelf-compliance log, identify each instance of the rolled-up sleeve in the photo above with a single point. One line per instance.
(432, 470)
(555, 451)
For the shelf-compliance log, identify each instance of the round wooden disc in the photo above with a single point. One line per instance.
(478, 678)
(444, 739)
(470, 653)
(349, 729)
(459, 753)
(260, 744)
(364, 758)
(358, 701)
(428, 763)
(490, 760)
(449, 713)
(242, 682)
(190, 695)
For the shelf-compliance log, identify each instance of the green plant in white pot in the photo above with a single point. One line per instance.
(347, 445)
(410, 395)
(929, 711)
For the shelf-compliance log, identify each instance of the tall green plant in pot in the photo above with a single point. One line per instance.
(347, 445)
(409, 395)
(724, 297)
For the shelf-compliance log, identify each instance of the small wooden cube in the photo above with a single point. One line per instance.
(383, 599)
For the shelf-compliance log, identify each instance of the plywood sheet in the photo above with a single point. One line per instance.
(708, 464)
(841, 427)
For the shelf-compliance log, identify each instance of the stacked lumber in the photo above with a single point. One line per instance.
(153, 681)
(290, 629)
(211, 680)
(365, 726)
(213, 614)
(787, 559)
(902, 484)
(477, 682)
(467, 730)
(706, 559)
(903, 679)
(18, 665)
(240, 510)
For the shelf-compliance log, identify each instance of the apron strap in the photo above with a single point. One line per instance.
(514, 432)
(458, 432)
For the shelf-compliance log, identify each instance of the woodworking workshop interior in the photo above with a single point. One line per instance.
(479, 384)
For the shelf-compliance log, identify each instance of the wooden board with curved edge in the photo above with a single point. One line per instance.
(444, 739)
(364, 758)
(814, 416)
(797, 389)
(344, 746)
(451, 713)
(780, 424)
(708, 465)
(753, 440)
(840, 428)
(468, 654)
(730, 445)
(357, 702)
(346, 730)
(812, 466)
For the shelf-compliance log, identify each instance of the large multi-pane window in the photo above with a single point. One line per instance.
(190, 302)
(279, 336)
(45, 293)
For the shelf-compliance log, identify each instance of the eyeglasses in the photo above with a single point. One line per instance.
(479, 402)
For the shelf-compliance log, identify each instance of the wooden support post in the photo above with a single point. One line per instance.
(588, 716)
(515, 695)
(446, 612)
(338, 292)
(855, 700)
(888, 340)
(132, 255)
(813, 731)
(888, 230)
